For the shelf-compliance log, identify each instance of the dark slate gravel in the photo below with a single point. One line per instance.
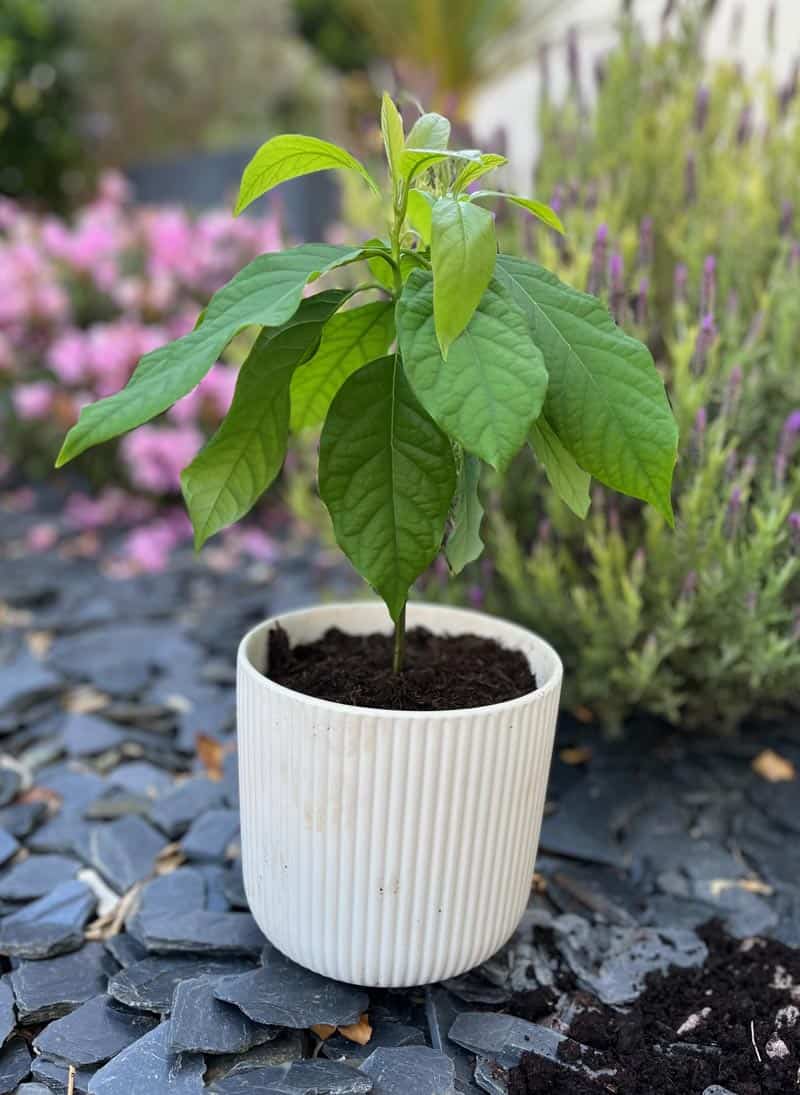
(95, 1032)
(284, 994)
(201, 1023)
(52, 925)
(47, 990)
(147, 1067)
(643, 842)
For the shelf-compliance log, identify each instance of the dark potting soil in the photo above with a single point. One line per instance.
(752, 992)
(441, 672)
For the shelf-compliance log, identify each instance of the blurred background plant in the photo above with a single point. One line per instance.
(675, 176)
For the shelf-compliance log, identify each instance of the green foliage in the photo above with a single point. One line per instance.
(404, 434)
(682, 221)
(41, 154)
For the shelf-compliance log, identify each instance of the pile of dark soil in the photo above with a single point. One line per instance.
(441, 672)
(735, 1022)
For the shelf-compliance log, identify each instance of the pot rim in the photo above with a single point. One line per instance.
(552, 683)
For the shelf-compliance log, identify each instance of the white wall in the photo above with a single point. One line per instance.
(512, 101)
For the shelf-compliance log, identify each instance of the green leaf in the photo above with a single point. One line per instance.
(416, 160)
(463, 253)
(266, 292)
(568, 479)
(464, 544)
(232, 471)
(429, 131)
(471, 172)
(492, 385)
(394, 140)
(349, 340)
(544, 213)
(419, 209)
(290, 156)
(387, 476)
(606, 399)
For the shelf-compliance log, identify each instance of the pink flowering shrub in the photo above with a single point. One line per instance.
(82, 299)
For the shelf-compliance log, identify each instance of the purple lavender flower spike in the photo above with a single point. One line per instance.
(705, 340)
(733, 390)
(786, 446)
(690, 179)
(733, 512)
(708, 291)
(476, 596)
(699, 433)
(787, 217)
(794, 256)
(646, 242)
(681, 280)
(545, 531)
(701, 102)
(598, 266)
(794, 529)
(616, 273)
(641, 302)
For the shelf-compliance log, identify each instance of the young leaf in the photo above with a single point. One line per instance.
(464, 544)
(290, 156)
(606, 399)
(393, 137)
(543, 212)
(232, 471)
(429, 131)
(266, 292)
(387, 476)
(349, 340)
(568, 480)
(420, 208)
(492, 385)
(463, 253)
(471, 172)
(416, 160)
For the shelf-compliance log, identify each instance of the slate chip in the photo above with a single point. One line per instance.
(210, 835)
(67, 833)
(149, 985)
(441, 1010)
(15, 1065)
(503, 1037)
(281, 993)
(201, 931)
(36, 876)
(385, 1034)
(55, 1077)
(76, 786)
(415, 1068)
(142, 778)
(95, 1032)
(125, 950)
(233, 885)
(48, 990)
(22, 818)
(8, 1019)
(23, 679)
(87, 735)
(287, 1047)
(52, 925)
(123, 851)
(8, 846)
(10, 781)
(175, 811)
(169, 895)
(147, 1067)
(202, 1024)
(318, 1077)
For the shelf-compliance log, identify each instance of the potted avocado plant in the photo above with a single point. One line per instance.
(392, 780)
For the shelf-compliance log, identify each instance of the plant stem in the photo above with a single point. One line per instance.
(399, 641)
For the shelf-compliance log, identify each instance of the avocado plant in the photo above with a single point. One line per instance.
(459, 355)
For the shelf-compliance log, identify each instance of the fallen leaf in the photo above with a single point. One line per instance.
(538, 883)
(583, 714)
(85, 700)
(324, 1031)
(580, 754)
(212, 753)
(39, 642)
(52, 799)
(169, 859)
(773, 767)
(750, 885)
(359, 1032)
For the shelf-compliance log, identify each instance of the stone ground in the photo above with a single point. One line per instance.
(126, 947)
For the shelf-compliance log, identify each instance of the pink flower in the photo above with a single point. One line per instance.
(68, 356)
(150, 546)
(42, 536)
(32, 401)
(155, 456)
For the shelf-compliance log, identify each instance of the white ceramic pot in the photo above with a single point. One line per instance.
(390, 848)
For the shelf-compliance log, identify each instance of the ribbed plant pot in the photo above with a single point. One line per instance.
(390, 848)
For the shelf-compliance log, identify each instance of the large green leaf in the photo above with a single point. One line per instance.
(568, 480)
(393, 137)
(350, 340)
(420, 210)
(232, 471)
(387, 476)
(463, 253)
(290, 156)
(464, 544)
(606, 399)
(266, 292)
(491, 387)
(429, 131)
(543, 212)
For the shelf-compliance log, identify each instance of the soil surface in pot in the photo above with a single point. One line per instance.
(441, 672)
(733, 1022)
